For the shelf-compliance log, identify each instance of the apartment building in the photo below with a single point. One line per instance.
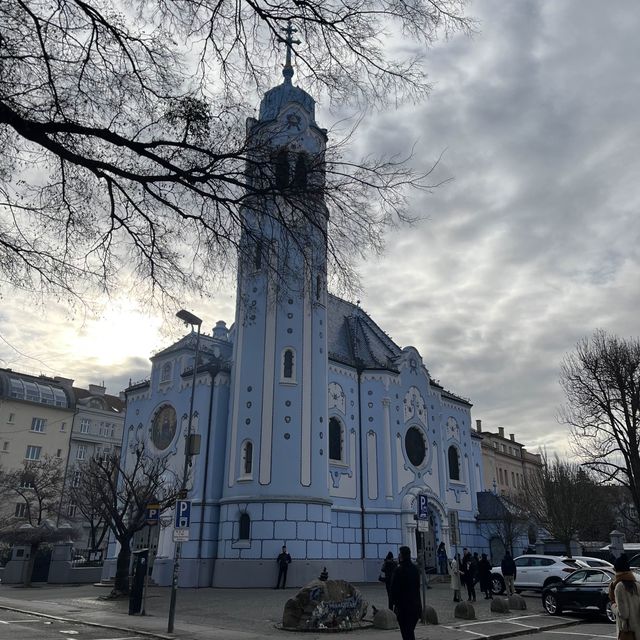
(506, 462)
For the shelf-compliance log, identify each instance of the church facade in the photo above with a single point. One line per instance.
(318, 431)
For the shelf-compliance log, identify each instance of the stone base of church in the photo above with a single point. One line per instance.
(264, 573)
(238, 574)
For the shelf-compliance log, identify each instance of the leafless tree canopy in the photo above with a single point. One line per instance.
(601, 380)
(123, 134)
(36, 487)
(562, 498)
(120, 494)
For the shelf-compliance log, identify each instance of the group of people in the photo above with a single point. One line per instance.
(466, 571)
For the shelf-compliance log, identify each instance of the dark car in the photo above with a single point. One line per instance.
(583, 590)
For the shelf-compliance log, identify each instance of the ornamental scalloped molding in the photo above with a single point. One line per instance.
(342, 371)
(222, 379)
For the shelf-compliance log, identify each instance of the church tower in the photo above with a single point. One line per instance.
(276, 474)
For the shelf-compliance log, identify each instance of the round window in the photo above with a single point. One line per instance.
(415, 445)
(164, 427)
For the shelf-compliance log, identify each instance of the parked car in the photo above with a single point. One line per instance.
(597, 563)
(583, 590)
(534, 572)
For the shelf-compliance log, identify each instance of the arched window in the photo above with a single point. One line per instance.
(454, 463)
(282, 169)
(247, 458)
(288, 365)
(336, 440)
(244, 527)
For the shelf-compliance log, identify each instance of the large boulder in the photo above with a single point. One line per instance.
(330, 604)
(385, 619)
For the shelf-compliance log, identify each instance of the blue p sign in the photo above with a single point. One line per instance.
(183, 514)
(153, 513)
(423, 507)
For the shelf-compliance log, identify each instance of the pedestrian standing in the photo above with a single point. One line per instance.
(405, 594)
(627, 599)
(442, 559)
(484, 575)
(469, 576)
(388, 567)
(283, 560)
(508, 567)
(454, 572)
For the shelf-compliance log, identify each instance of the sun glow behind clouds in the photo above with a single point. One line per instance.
(118, 333)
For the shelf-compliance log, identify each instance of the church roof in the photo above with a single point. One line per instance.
(354, 339)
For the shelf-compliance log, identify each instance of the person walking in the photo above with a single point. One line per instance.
(388, 568)
(627, 598)
(469, 576)
(454, 572)
(283, 560)
(484, 575)
(441, 554)
(508, 567)
(405, 594)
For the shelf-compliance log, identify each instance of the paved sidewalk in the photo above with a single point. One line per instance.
(252, 614)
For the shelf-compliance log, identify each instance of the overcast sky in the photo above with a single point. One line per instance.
(534, 244)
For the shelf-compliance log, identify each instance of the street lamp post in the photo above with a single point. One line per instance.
(193, 320)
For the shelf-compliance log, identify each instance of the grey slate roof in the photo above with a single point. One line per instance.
(354, 339)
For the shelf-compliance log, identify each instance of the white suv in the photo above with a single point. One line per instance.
(535, 572)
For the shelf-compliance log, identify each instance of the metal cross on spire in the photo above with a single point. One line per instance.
(287, 72)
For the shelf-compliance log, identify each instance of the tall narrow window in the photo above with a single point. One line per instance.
(165, 372)
(454, 463)
(244, 527)
(335, 440)
(282, 169)
(33, 453)
(257, 258)
(247, 458)
(288, 365)
(300, 173)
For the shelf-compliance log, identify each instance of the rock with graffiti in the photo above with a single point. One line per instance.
(325, 605)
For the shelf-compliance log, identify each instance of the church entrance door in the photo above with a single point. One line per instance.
(428, 539)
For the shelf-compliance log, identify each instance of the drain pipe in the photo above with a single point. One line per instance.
(361, 465)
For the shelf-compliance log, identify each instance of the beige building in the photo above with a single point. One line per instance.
(42, 416)
(36, 415)
(506, 462)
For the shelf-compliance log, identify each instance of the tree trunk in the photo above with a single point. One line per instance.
(122, 567)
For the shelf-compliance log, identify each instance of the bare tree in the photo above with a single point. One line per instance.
(123, 134)
(601, 380)
(36, 488)
(509, 523)
(561, 498)
(120, 494)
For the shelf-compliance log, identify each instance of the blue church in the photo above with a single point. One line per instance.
(317, 430)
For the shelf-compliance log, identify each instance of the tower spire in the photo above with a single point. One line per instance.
(287, 71)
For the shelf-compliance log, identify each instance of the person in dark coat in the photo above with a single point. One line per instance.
(405, 594)
(443, 561)
(469, 569)
(283, 560)
(388, 567)
(484, 575)
(508, 567)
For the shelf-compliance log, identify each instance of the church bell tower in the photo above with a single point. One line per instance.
(276, 477)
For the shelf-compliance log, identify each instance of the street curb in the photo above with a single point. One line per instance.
(139, 632)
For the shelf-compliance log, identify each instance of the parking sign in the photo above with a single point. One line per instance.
(183, 514)
(423, 507)
(153, 514)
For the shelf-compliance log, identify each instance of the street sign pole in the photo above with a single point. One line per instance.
(194, 321)
(422, 523)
